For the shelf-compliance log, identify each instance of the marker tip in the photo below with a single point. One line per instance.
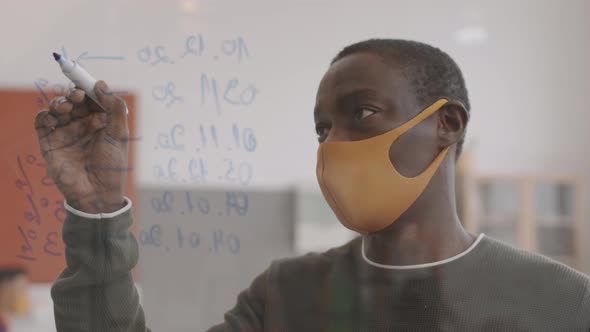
(56, 56)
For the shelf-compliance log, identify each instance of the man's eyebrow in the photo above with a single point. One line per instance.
(347, 96)
(362, 92)
(351, 97)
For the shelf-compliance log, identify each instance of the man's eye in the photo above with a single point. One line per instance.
(322, 132)
(364, 112)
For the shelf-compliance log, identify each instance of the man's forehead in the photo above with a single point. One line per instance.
(365, 77)
(362, 72)
(364, 67)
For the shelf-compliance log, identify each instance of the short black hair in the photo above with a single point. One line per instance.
(431, 72)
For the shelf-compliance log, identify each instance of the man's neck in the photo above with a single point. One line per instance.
(418, 240)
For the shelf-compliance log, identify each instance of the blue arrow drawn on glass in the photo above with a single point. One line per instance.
(85, 56)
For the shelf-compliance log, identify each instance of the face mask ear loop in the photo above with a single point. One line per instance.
(422, 115)
(414, 121)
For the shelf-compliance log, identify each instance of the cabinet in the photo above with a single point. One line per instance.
(539, 213)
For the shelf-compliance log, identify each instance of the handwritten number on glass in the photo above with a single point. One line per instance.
(51, 244)
(165, 94)
(194, 45)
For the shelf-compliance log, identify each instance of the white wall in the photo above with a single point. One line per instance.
(528, 80)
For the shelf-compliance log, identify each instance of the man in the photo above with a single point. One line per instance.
(391, 118)
(14, 284)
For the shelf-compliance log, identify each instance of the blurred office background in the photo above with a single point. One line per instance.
(244, 156)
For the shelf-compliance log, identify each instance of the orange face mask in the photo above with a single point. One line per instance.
(362, 186)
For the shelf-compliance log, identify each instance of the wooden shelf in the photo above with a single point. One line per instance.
(497, 220)
(524, 210)
(555, 221)
(567, 260)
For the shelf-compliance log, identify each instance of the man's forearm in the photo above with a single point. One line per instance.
(96, 291)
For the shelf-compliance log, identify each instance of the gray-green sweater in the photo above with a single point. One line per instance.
(492, 288)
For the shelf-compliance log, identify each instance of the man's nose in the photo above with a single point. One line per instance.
(339, 134)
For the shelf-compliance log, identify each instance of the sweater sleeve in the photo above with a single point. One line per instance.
(95, 292)
(585, 309)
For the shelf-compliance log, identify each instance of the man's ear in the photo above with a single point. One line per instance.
(452, 121)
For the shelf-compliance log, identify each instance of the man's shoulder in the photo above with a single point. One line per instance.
(314, 263)
(549, 288)
(533, 268)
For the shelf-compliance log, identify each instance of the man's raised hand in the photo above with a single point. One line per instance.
(85, 148)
